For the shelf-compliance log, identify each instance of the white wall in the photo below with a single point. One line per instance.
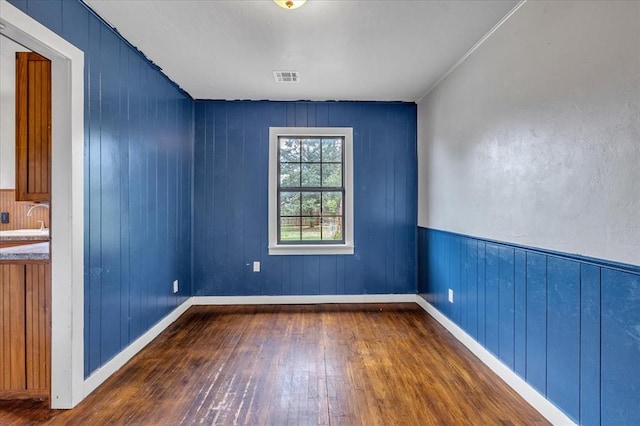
(8, 50)
(535, 138)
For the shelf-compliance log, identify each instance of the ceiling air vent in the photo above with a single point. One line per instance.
(286, 76)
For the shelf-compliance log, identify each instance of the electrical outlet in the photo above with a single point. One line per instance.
(450, 296)
(256, 266)
(175, 286)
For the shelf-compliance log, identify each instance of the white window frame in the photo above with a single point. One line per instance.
(311, 249)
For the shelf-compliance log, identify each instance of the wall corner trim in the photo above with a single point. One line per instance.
(113, 365)
(303, 300)
(526, 391)
(468, 53)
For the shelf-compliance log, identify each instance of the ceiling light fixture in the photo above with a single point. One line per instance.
(290, 4)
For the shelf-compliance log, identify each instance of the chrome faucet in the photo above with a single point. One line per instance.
(35, 206)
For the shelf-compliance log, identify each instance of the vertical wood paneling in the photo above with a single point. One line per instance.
(422, 250)
(38, 326)
(311, 274)
(520, 313)
(590, 345)
(136, 213)
(12, 327)
(463, 291)
(328, 275)
(620, 343)
(567, 325)
(93, 218)
(251, 195)
(563, 335)
(442, 274)
(123, 199)
(138, 165)
(340, 280)
(453, 282)
(536, 373)
(109, 151)
(17, 210)
(482, 292)
(216, 202)
(49, 11)
(471, 294)
(492, 300)
(33, 127)
(506, 304)
(230, 200)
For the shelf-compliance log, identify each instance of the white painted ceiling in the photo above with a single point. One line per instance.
(344, 50)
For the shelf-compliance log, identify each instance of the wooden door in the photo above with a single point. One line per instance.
(33, 127)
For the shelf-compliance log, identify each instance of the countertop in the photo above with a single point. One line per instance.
(22, 238)
(24, 234)
(28, 251)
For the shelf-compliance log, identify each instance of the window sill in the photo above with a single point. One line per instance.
(318, 249)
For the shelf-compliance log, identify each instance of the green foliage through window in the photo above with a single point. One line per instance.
(311, 189)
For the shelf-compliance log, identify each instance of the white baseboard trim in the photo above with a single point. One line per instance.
(526, 391)
(303, 300)
(104, 372)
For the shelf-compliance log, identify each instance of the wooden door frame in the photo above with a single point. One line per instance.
(67, 196)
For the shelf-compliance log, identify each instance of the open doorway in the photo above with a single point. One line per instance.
(25, 182)
(67, 267)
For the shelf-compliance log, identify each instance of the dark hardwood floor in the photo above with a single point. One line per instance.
(388, 364)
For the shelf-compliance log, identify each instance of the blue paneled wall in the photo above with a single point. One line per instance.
(138, 191)
(230, 204)
(569, 326)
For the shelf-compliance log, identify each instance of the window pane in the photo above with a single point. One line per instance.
(310, 175)
(310, 150)
(289, 174)
(310, 204)
(332, 175)
(289, 204)
(332, 228)
(332, 203)
(332, 150)
(289, 150)
(290, 229)
(311, 228)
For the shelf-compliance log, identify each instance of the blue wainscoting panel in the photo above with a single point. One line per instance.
(568, 325)
(455, 278)
(520, 312)
(563, 334)
(138, 174)
(506, 303)
(231, 195)
(492, 298)
(536, 363)
(469, 292)
(482, 292)
(590, 344)
(620, 341)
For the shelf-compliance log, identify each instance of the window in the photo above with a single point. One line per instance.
(310, 190)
